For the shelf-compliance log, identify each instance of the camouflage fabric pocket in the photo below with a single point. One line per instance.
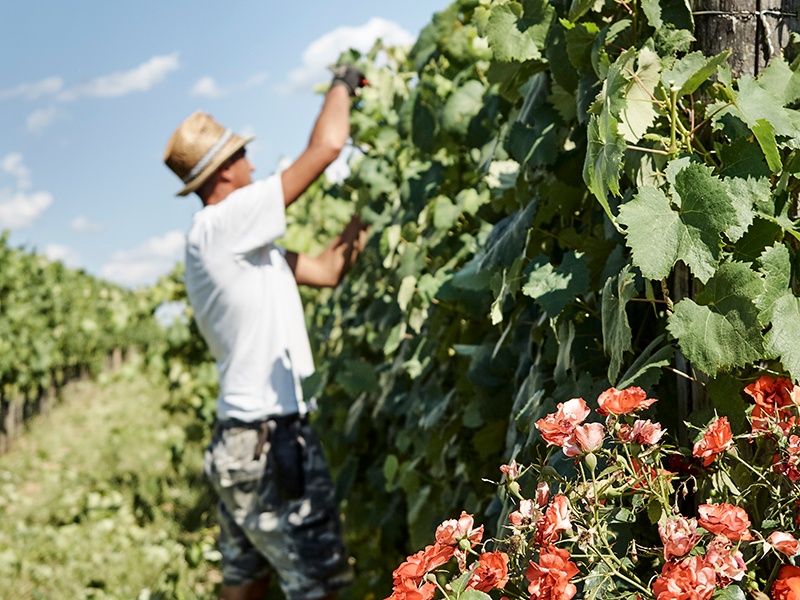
(229, 458)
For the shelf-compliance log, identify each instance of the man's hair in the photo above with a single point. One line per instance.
(208, 185)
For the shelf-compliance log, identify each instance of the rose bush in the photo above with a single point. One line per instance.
(634, 516)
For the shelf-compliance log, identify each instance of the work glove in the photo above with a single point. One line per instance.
(350, 77)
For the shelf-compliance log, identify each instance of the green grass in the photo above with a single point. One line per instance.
(102, 498)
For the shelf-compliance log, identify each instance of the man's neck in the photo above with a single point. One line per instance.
(217, 195)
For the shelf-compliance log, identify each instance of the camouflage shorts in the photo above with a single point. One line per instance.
(277, 510)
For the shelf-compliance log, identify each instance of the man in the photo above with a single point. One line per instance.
(277, 510)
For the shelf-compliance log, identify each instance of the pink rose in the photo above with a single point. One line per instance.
(679, 536)
(452, 531)
(728, 566)
(585, 438)
(647, 432)
(554, 521)
(642, 432)
(783, 542)
(542, 494)
(557, 427)
(524, 516)
(511, 470)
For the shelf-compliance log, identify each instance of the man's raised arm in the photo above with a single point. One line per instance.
(328, 136)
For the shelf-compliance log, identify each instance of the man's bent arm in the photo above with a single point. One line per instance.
(328, 137)
(327, 269)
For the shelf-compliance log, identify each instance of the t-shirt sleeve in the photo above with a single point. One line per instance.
(255, 215)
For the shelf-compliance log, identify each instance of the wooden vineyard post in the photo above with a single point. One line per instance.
(755, 31)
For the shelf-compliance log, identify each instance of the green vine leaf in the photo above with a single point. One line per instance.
(646, 369)
(781, 80)
(652, 10)
(617, 334)
(742, 158)
(691, 233)
(776, 267)
(603, 163)
(744, 194)
(676, 13)
(779, 307)
(474, 595)
(721, 330)
(689, 72)
(580, 41)
(732, 592)
(762, 234)
(640, 111)
(650, 211)
(754, 105)
(506, 242)
(555, 287)
(782, 338)
(765, 134)
(612, 95)
(462, 106)
(517, 31)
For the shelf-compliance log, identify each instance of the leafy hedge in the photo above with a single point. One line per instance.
(564, 198)
(56, 320)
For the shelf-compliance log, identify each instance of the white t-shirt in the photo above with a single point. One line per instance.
(246, 303)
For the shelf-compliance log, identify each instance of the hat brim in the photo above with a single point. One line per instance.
(229, 149)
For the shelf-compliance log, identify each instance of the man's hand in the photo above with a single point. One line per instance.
(350, 77)
(327, 269)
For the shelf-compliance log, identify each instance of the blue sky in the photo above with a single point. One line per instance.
(90, 92)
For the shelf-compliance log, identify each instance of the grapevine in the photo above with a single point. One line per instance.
(535, 174)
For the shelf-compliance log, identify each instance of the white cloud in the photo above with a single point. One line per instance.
(65, 254)
(13, 165)
(255, 80)
(206, 87)
(146, 262)
(19, 207)
(41, 119)
(139, 79)
(325, 50)
(31, 91)
(84, 225)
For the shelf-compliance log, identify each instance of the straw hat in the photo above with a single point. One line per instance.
(198, 147)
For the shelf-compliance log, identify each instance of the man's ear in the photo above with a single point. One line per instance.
(223, 173)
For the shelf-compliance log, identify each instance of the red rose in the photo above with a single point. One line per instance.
(550, 579)
(691, 579)
(787, 586)
(622, 402)
(725, 519)
(491, 572)
(716, 440)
